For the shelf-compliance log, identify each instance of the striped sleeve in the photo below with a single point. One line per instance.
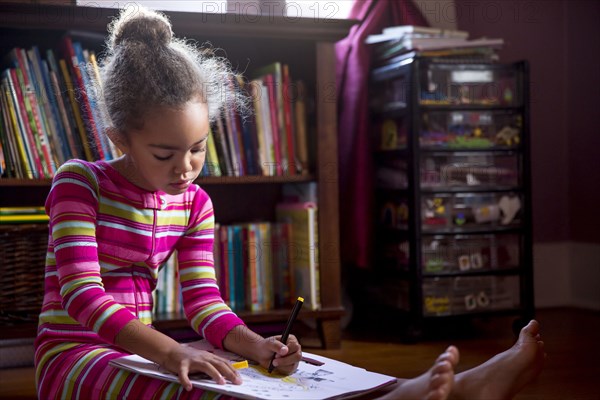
(72, 205)
(204, 307)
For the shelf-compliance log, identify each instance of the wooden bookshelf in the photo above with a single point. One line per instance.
(249, 42)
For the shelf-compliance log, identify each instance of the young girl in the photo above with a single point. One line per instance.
(112, 224)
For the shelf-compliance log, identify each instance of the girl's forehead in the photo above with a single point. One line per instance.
(176, 126)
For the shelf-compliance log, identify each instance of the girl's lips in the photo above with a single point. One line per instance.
(181, 184)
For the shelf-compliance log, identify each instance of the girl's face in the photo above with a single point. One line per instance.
(168, 153)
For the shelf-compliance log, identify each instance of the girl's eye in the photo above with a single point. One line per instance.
(199, 150)
(162, 158)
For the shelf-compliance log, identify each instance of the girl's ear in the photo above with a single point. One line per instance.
(118, 139)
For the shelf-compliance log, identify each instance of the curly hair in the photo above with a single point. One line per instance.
(145, 66)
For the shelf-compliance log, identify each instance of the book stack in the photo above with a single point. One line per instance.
(399, 43)
(23, 215)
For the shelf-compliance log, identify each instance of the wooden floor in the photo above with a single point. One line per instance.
(572, 371)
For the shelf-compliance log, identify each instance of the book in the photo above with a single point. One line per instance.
(254, 88)
(317, 377)
(75, 62)
(304, 257)
(24, 128)
(271, 107)
(75, 149)
(397, 32)
(21, 165)
(281, 274)
(212, 159)
(300, 128)
(33, 111)
(271, 147)
(222, 147)
(293, 167)
(70, 89)
(425, 30)
(429, 45)
(47, 115)
(252, 276)
(272, 75)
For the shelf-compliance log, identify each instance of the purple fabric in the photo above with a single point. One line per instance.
(355, 164)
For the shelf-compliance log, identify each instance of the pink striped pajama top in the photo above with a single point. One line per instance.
(107, 240)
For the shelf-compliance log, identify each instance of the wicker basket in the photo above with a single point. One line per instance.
(22, 260)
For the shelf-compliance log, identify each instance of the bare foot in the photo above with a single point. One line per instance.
(505, 374)
(434, 384)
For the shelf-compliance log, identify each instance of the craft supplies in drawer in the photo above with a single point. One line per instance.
(469, 84)
(470, 170)
(465, 130)
(470, 253)
(458, 212)
(472, 294)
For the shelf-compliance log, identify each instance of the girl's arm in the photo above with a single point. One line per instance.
(204, 307)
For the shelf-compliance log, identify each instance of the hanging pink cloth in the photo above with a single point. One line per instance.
(355, 164)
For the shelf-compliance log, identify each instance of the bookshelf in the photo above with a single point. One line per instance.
(249, 42)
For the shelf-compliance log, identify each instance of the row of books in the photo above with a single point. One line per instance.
(50, 113)
(259, 266)
(272, 140)
(397, 43)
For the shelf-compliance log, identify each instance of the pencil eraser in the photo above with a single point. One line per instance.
(240, 364)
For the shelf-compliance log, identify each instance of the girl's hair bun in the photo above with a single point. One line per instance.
(139, 24)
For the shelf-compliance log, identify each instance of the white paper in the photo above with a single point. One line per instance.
(333, 379)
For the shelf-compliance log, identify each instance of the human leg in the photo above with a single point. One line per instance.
(435, 384)
(505, 374)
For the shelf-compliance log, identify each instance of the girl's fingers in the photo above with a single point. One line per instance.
(228, 372)
(184, 378)
(289, 362)
(211, 371)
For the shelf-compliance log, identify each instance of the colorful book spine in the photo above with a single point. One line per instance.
(29, 141)
(253, 284)
(66, 112)
(286, 103)
(84, 101)
(272, 107)
(212, 159)
(254, 91)
(268, 136)
(76, 113)
(300, 130)
(44, 108)
(305, 258)
(21, 165)
(33, 112)
(224, 264)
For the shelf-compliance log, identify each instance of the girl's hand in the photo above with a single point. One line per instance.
(287, 357)
(183, 360)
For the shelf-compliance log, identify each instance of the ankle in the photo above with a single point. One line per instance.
(458, 390)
